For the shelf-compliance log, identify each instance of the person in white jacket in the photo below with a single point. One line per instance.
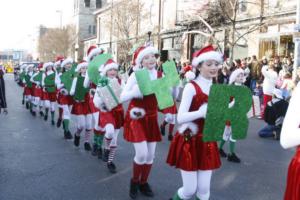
(290, 138)
(270, 79)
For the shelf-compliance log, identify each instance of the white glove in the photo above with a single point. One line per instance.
(203, 110)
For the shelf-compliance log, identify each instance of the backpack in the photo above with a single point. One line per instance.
(273, 111)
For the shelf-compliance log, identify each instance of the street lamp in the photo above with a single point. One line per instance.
(60, 12)
(149, 35)
(76, 52)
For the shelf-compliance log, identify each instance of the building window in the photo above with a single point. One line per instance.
(94, 30)
(87, 3)
(98, 3)
(90, 29)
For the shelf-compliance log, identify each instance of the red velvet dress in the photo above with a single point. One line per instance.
(171, 110)
(82, 107)
(114, 117)
(146, 128)
(193, 154)
(37, 91)
(64, 99)
(292, 191)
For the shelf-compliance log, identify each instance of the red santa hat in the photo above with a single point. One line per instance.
(93, 51)
(47, 64)
(40, 66)
(110, 64)
(58, 60)
(67, 61)
(141, 52)
(188, 73)
(206, 53)
(80, 65)
(235, 74)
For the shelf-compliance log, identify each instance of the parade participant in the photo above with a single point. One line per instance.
(92, 52)
(37, 89)
(196, 159)
(28, 87)
(111, 121)
(141, 127)
(290, 138)
(22, 76)
(81, 108)
(170, 116)
(64, 100)
(236, 78)
(49, 90)
(58, 72)
(3, 104)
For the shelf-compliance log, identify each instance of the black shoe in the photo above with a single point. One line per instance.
(46, 117)
(99, 153)
(133, 191)
(105, 157)
(146, 190)
(52, 122)
(27, 105)
(222, 153)
(276, 135)
(33, 113)
(41, 113)
(111, 167)
(162, 130)
(76, 140)
(87, 146)
(170, 137)
(58, 123)
(233, 158)
(94, 150)
(68, 135)
(23, 102)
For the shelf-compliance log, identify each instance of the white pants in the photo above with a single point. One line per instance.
(66, 112)
(195, 182)
(50, 105)
(111, 133)
(144, 152)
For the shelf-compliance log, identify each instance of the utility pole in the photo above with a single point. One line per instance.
(111, 26)
(297, 41)
(60, 12)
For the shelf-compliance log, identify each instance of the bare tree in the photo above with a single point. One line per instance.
(225, 13)
(56, 42)
(126, 15)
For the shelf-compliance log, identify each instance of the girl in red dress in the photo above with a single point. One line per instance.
(141, 127)
(29, 87)
(49, 96)
(58, 70)
(37, 91)
(110, 121)
(82, 109)
(290, 137)
(196, 159)
(64, 99)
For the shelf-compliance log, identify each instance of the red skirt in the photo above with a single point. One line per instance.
(28, 91)
(50, 96)
(92, 106)
(64, 99)
(292, 191)
(144, 129)
(114, 117)
(80, 108)
(194, 154)
(38, 92)
(171, 110)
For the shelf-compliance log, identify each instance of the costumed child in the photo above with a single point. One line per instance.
(170, 116)
(290, 138)
(141, 126)
(92, 52)
(37, 89)
(195, 158)
(111, 121)
(81, 108)
(64, 100)
(28, 91)
(49, 90)
(58, 73)
(22, 81)
(236, 78)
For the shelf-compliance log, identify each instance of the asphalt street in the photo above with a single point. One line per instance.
(36, 163)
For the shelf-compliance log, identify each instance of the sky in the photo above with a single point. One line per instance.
(20, 19)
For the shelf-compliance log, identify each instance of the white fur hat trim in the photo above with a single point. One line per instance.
(80, 65)
(235, 74)
(66, 61)
(212, 55)
(94, 52)
(143, 53)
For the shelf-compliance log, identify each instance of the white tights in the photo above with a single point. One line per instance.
(195, 182)
(144, 152)
(66, 112)
(49, 104)
(112, 135)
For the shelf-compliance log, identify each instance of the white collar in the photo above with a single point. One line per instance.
(201, 79)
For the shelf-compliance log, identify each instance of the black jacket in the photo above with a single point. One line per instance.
(2, 91)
